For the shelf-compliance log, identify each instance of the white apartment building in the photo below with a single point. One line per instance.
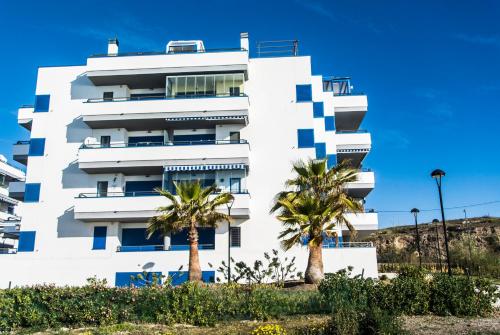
(105, 134)
(10, 208)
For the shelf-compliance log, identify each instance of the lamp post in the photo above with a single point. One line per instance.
(229, 206)
(436, 221)
(438, 175)
(415, 212)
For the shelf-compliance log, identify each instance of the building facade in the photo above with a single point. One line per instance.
(10, 208)
(105, 134)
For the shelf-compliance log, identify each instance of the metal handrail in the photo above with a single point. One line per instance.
(348, 245)
(154, 53)
(8, 250)
(166, 97)
(358, 131)
(140, 194)
(160, 144)
(132, 248)
(22, 142)
(27, 106)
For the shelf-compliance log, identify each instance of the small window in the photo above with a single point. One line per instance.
(234, 136)
(42, 103)
(102, 188)
(107, 96)
(235, 237)
(182, 48)
(105, 141)
(235, 184)
(99, 238)
(10, 210)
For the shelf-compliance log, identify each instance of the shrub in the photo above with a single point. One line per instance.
(462, 296)
(408, 293)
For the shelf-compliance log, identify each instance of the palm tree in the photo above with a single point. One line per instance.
(314, 203)
(191, 208)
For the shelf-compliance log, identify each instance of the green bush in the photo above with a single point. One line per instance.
(462, 296)
(408, 293)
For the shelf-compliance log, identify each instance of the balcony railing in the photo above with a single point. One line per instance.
(159, 144)
(138, 248)
(139, 194)
(154, 53)
(357, 131)
(8, 251)
(166, 97)
(332, 245)
(339, 86)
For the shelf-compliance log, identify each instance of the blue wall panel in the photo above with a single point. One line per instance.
(318, 109)
(42, 103)
(32, 192)
(37, 147)
(180, 277)
(99, 238)
(320, 150)
(26, 241)
(303, 93)
(124, 279)
(331, 161)
(329, 123)
(305, 138)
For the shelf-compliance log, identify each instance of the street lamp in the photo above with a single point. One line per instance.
(436, 221)
(229, 206)
(415, 212)
(438, 175)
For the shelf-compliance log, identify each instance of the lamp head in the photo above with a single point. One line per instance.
(230, 203)
(435, 221)
(414, 211)
(437, 173)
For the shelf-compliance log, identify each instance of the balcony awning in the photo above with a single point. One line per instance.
(9, 200)
(210, 167)
(207, 118)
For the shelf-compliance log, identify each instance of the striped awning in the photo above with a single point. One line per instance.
(207, 118)
(208, 167)
(9, 200)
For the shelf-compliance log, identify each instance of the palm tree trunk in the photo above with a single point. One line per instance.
(194, 258)
(314, 272)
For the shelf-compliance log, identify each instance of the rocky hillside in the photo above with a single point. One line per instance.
(477, 236)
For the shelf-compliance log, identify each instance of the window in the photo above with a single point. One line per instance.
(320, 150)
(42, 103)
(138, 237)
(26, 241)
(305, 138)
(235, 184)
(107, 96)
(318, 109)
(329, 123)
(102, 188)
(235, 237)
(142, 187)
(10, 210)
(105, 141)
(303, 93)
(32, 192)
(206, 239)
(182, 48)
(3, 180)
(234, 136)
(99, 238)
(37, 147)
(205, 85)
(145, 141)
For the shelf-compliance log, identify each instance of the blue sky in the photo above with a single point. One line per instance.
(431, 70)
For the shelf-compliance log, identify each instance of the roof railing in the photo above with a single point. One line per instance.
(278, 48)
(153, 53)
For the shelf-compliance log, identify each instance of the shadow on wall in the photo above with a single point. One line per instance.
(82, 88)
(77, 131)
(67, 226)
(73, 177)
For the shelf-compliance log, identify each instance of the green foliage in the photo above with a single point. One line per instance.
(409, 292)
(269, 330)
(462, 296)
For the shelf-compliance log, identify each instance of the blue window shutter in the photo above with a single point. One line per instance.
(208, 276)
(320, 150)
(331, 161)
(178, 277)
(32, 192)
(304, 93)
(329, 123)
(305, 138)
(37, 147)
(99, 238)
(318, 109)
(42, 103)
(26, 241)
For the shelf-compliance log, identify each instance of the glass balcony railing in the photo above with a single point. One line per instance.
(159, 144)
(339, 86)
(175, 247)
(144, 193)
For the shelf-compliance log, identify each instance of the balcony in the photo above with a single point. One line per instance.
(20, 152)
(25, 116)
(367, 221)
(17, 189)
(363, 185)
(11, 172)
(149, 69)
(353, 146)
(349, 111)
(11, 219)
(153, 157)
(126, 207)
(146, 113)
